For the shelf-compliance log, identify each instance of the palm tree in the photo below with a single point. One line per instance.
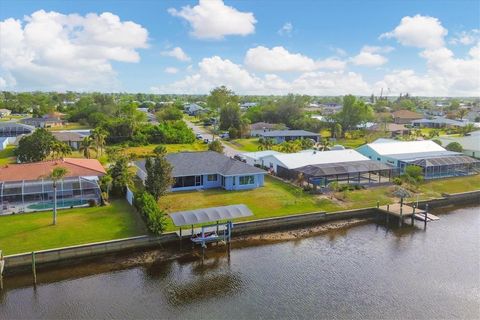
(462, 113)
(99, 135)
(265, 144)
(86, 146)
(56, 175)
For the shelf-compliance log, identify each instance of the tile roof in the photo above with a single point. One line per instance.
(207, 162)
(39, 170)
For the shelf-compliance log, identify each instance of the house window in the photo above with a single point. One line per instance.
(378, 159)
(247, 180)
(212, 177)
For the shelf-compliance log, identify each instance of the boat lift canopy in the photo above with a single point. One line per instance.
(191, 217)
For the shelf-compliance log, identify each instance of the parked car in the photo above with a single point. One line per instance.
(224, 135)
(207, 141)
(199, 136)
(239, 157)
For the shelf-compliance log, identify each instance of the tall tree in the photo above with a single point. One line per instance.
(35, 147)
(56, 175)
(159, 175)
(354, 112)
(218, 99)
(121, 175)
(99, 135)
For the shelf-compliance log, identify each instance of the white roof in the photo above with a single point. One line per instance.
(400, 147)
(191, 217)
(257, 155)
(300, 159)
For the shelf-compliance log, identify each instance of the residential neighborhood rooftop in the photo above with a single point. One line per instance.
(390, 147)
(289, 133)
(301, 159)
(40, 170)
(207, 162)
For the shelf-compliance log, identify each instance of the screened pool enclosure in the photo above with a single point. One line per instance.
(445, 167)
(36, 195)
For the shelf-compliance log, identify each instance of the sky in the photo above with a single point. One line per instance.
(425, 48)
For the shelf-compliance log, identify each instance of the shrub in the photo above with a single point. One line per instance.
(149, 209)
(437, 141)
(454, 146)
(92, 203)
(398, 181)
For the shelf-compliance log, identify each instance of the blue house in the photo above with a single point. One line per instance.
(435, 161)
(208, 170)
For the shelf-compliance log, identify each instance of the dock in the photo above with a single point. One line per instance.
(402, 211)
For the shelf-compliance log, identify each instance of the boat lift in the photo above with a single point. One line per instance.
(213, 232)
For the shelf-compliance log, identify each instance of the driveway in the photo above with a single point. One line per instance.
(227, 150)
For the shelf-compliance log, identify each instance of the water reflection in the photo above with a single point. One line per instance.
(204, 287)
(365, 271)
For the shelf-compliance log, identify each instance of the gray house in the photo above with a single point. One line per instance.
(207, 170)
(194, 109)
(280, 136)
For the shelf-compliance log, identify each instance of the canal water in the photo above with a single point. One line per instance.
(363, 271)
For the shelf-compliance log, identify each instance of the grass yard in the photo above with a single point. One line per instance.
(451, 185)
(7, 155)
(34, 231)
(144, 151)
(247, 145)
(275, 199)
(71, 126)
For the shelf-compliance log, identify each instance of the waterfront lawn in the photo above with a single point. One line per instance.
(34, 231)
(7, 155)
(274, 199)
(246, 145)
(145, 151)
(451, 185)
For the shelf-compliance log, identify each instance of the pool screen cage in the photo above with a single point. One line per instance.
(365, 172)
(444, 167)
(37, 195)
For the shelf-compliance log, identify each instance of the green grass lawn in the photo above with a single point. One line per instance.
(275, 199)
(144, 151)
(451, 185)
(34, 231)
(7, 156)
(71, 126)
(247, 145)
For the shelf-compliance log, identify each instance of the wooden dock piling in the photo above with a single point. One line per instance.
(34, 269)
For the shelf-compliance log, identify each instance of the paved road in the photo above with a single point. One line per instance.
(227, 150)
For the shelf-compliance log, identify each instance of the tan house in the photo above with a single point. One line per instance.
(405, 116)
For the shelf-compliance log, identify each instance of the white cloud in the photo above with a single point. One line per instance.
(212, 19)
(176, 53)
(419, 31)
(445, 76)
(215, 71)
(286, 29)
(56, 51)
(3, 83)
(171, 70)
(369, 56)
(466, 37)
(279, 59)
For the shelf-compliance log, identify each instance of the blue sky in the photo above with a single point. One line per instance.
(254, 47)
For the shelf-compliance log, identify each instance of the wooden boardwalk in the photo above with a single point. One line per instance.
(397, 210)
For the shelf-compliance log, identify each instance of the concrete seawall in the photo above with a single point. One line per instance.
(22, 261)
